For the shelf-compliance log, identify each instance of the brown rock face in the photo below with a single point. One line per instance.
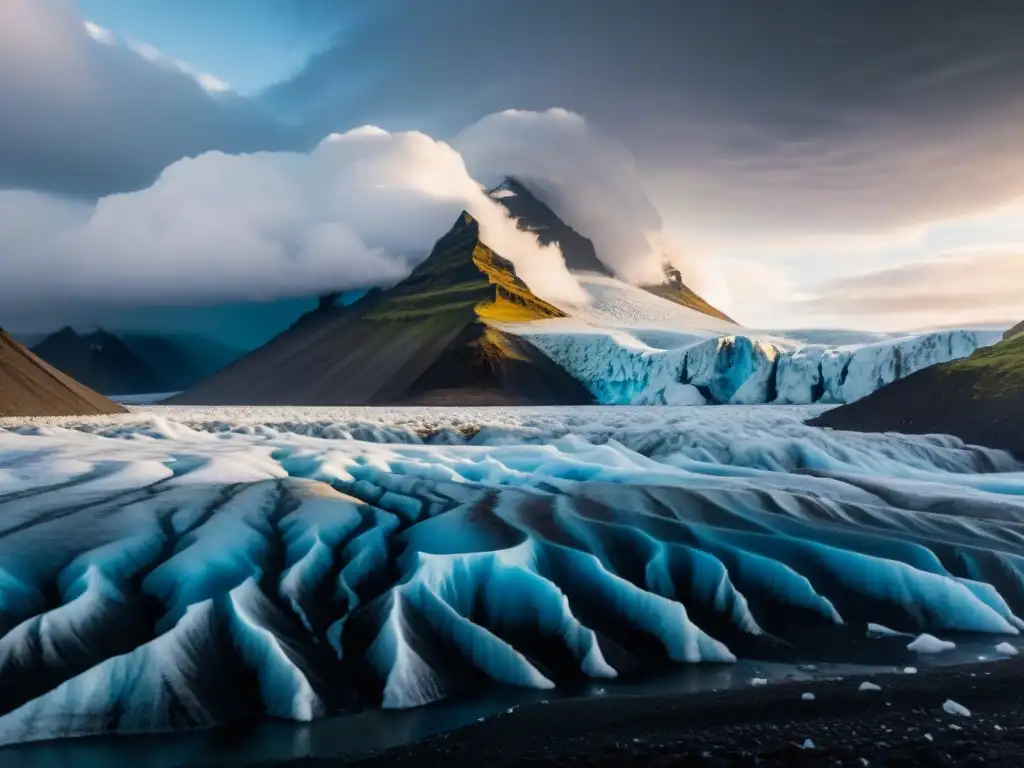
(31, 387)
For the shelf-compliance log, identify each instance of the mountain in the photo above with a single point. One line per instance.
(434, 338)
(533, 215)
(1016, 330)
(31, 387)
(180, 360)
(979, 399)
(99, 360)
(579, 252)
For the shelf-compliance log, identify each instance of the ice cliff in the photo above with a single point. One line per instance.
(620, 369)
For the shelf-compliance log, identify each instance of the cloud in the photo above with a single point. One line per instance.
(81, 113)
(589, 180)
(206, 81)
(978, 284)
(742, 116)
(361, 209)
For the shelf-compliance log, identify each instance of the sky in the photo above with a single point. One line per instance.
(806, 164)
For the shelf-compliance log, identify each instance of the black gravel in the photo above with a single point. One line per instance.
(901, 725)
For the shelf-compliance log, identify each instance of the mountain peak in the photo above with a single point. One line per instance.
(463, 272)
(533, 215)
(100, 360)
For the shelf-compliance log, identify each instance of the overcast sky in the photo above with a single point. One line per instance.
(828, 164)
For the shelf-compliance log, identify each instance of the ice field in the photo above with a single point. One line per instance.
(184, 567)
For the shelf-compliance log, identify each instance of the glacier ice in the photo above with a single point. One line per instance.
(951, 707)
(184, 568)
(925, 643)
(1005, 649)
(619, 368)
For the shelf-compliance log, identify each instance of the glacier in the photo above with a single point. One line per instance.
(184, 568)
(631, 347)
(620, 368)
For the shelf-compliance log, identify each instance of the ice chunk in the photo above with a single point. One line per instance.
(910, 670)
(807, 696)
(926, 643)
(867, 686)
(1006, 649)
(951, 707)
(758, 681)
(878, 630)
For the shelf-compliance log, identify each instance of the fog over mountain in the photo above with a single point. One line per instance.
(780, 153)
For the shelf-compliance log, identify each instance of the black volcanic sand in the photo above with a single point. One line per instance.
(764, 726)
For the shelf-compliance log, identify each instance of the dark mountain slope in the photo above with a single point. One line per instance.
(99, 360)
(579, 252)
(181, 360)
(429, 339)
(979, 399)
(31, 387)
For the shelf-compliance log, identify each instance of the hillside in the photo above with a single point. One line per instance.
(31, 387)
(179, 360)
(579, 252)
(979, 399)
(431, 339)
(100, 360)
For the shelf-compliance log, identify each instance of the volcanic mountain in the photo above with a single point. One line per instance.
(99, 360)
(434, 338)
(979, 399)
(31, 387)
(579, 252)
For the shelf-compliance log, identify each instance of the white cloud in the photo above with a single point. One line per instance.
(590, 181)
(360, 209)
(960, 287)
(212, 84)
(208, 82)
(100, 34)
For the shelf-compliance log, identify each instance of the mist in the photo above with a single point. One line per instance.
(588, 179)
(363, 208)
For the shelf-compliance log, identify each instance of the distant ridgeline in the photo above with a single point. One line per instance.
(134, 363)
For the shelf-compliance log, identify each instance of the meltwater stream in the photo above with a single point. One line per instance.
(180, 569)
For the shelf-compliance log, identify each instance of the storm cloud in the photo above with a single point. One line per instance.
(800, 115)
